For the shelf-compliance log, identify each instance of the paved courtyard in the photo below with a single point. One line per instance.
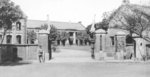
(75, 63)
(72, 54)
(84, 69)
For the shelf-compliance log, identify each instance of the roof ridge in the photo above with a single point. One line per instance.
(53, 21)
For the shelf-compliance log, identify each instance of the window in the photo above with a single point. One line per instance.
(32, 41)
(71, 33)
(18, 26)
(0, 26)
(112, 40)
(8, 39)
(101, 42)
(129, 40)
(0, 37)
(18, 37)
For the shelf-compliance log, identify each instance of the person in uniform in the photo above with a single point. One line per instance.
(41, 53)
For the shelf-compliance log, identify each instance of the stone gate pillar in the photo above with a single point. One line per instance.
(100, 44)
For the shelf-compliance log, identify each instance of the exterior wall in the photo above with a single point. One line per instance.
(113, 44)
(140, 48)
(18, 52)
(110, 46)
(31, 52)
(14, 32)
(148, 51)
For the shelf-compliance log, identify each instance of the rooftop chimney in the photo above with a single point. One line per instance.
(47, 17)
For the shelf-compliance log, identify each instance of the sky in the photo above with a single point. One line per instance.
(68, 10)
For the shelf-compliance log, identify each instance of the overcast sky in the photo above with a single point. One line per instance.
(68, 10)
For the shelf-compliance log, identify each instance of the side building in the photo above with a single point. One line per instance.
(118, 42)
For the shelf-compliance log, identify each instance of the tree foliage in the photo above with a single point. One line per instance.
(44, 26)
(53, 33)
(31, 36)
(136, 22)
(64, 35)
(82, 36)
(100, 25)
(9, 13)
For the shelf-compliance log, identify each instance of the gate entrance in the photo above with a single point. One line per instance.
(72, 53)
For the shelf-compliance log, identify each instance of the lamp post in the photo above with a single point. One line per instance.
(92, 30)
(92, 46)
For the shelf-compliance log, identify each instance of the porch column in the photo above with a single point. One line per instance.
(74, 38)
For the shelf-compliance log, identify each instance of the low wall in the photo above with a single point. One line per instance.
(17, 52)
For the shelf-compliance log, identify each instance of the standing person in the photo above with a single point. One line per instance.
(41, 54)
(92, 51)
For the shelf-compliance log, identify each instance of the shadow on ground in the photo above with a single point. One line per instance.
(15, 63)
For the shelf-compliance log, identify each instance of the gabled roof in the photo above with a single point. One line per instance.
(58, 25)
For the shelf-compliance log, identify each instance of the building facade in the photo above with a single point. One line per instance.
(70, 28)
(16, 34)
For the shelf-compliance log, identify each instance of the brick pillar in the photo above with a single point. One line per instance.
(43, 40)
(100, 44)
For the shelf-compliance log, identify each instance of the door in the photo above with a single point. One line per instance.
(15, 50)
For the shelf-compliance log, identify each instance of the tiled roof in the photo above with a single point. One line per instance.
(58, 25)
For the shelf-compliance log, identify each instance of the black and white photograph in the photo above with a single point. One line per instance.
(74, 38)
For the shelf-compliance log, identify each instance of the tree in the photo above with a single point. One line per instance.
(64, 36)
(44, 26)
(82, 37)
(133, 19)
(58, 38)
(100, 25)
(31, 37)
(136, 22)
(52, 37)
(53, 33)
(9, 13)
